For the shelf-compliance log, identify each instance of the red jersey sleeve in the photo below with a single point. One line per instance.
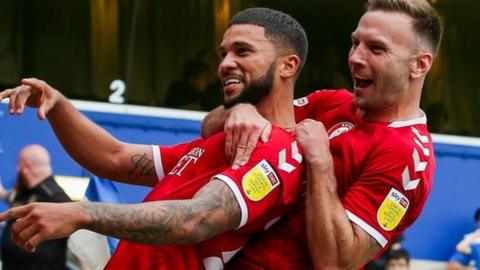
(391, 191)
(318, 102)
(271, 179)
(166, 157)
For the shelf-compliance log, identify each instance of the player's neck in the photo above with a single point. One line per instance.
(278, 109)
(405, 107)
(391, 114)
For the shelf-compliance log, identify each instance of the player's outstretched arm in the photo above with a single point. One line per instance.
(334, 242)
(212, 211)
(90, 145)
(243, 127)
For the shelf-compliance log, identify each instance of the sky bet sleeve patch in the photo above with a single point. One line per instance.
(260, 181)
(392, 210)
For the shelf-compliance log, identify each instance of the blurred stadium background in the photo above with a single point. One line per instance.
(140, 52)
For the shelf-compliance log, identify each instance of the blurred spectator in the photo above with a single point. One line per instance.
(194, 91)
(381, 262)
(467, 251)
(397, 259)
(35, 183)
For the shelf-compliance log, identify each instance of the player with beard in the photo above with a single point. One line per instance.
(254, 92)
(199, 204)
(370, 160)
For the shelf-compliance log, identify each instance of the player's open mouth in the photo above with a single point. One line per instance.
(230, 83)
(362, 83)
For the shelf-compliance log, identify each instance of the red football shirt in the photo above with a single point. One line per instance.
(264, 189)
(384, 173)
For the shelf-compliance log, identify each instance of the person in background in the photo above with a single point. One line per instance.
(397, 259)
(192, 92)
(35, 183)
(381, 262)
(467, 252)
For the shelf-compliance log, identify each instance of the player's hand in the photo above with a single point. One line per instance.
(313, 138)
(243, 128)
(33, 93)
(38, 222)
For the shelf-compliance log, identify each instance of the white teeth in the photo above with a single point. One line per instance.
(231, 81)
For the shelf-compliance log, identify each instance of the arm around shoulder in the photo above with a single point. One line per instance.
(214, 122)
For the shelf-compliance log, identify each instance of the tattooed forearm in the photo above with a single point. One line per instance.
(213, 210)
(373, 247)
(142, 166)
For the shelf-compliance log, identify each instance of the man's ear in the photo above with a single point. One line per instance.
(421, 64)
(289, 65)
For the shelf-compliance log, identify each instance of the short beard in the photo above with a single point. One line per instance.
(255, 91)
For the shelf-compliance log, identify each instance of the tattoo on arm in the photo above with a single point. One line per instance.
(212, 211)
(142, 166)
(373, 246)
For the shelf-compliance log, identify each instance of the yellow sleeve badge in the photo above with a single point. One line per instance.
(392, 210)
(259, 181)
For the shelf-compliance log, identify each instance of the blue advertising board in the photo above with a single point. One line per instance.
(447, 216)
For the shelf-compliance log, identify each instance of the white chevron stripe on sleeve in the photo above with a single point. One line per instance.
(409, 184)
(422, 138)
(419, 165)
(295, 154)
(425, 150)
(282, 162)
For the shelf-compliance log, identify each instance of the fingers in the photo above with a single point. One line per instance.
(44, 108)
(267, 130)
(34, 241)
(5, 216)
(15, 212)
(29, 240)
(21, 99)
(247, 137)
(11, 103)
(5, 94)
(33, 92)
(22, 232)
(228, 143)
(240, 149)
(18, 97)
(26, 233)
(34, 83)
(245, 148)
(244, 127)
(236, 138)
(23, 228)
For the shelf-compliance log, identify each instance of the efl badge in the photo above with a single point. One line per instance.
(392, 210)
(300, 102)
(339, 129)
(260, 181)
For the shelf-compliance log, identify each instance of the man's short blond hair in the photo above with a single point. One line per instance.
(426, 22)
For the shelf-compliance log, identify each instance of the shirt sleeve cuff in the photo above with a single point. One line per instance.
(157, 161)
(238, 195)
(367, 228)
